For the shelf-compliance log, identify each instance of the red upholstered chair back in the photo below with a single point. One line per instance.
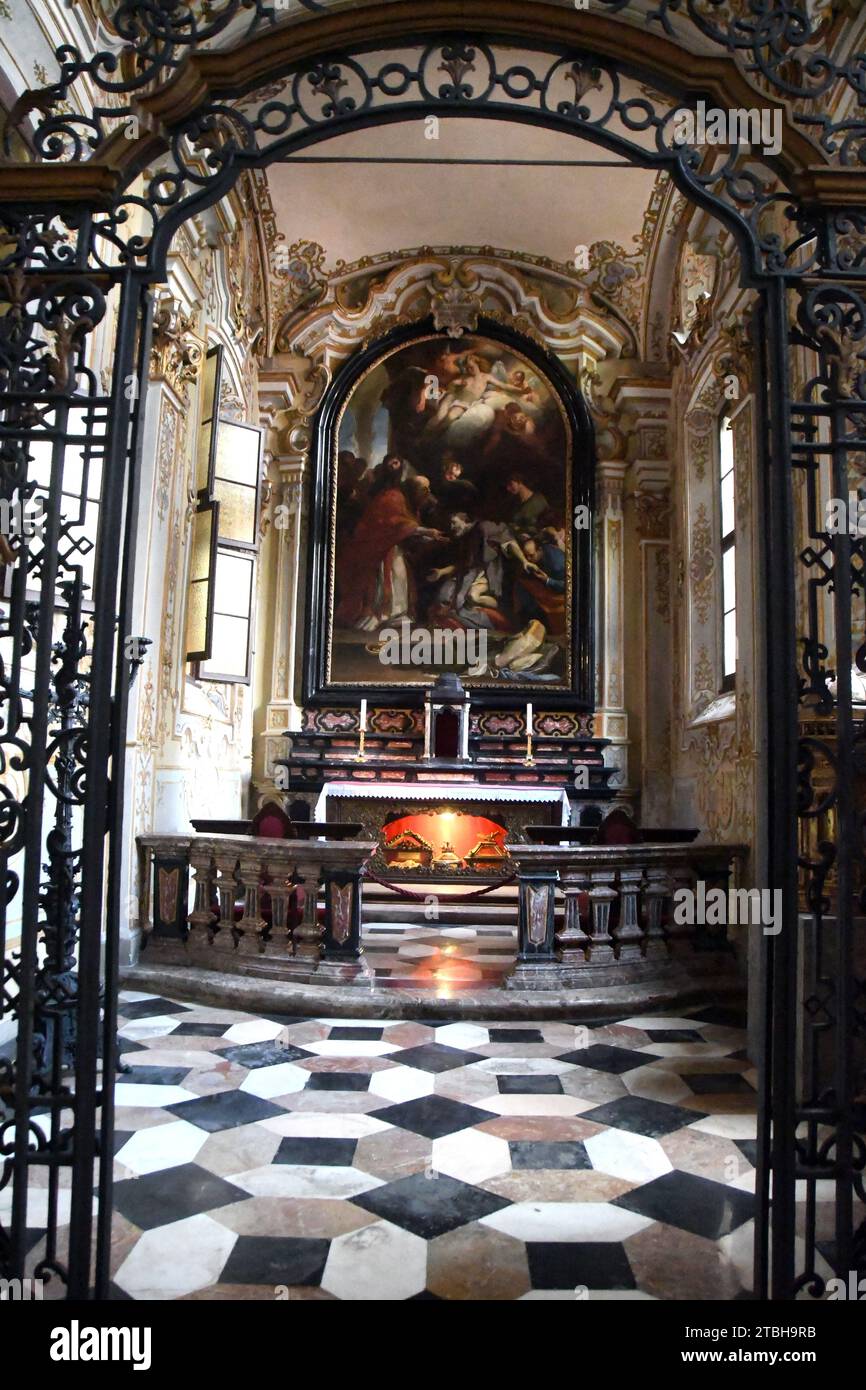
(271, 821)
(618, 829)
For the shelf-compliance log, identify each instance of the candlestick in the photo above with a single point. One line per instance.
(529, 760)
(362, 731)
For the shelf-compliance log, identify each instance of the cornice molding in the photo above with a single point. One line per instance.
(333, 328)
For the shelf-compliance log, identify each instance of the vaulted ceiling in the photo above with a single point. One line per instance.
(437, 198)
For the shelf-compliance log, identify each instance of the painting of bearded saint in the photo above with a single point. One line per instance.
(450, 516)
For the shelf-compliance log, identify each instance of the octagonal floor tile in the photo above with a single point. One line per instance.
(471, 1156)
(634, 1157)
(476, 1262)
(302, 1180)
(566, 1221)
(380, 1262)
(171, 1261)
(161, 1146)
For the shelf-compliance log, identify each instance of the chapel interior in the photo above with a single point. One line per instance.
(447, 691)
(634, 296)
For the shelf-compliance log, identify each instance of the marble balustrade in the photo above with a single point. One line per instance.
(254, 896)
(617, 901)
(222, 900)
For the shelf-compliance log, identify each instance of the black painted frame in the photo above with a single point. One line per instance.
(317, 690)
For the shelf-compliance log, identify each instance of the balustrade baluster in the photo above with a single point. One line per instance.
(656, 896)
(202, 918)
(279, 865)
(573, 940)
(252, 924)
(602, 896)
(628, 939)
(309, 932)
(226, 885)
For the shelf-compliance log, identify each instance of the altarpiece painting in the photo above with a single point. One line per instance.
(451, 526)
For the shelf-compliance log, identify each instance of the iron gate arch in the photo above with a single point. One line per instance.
(72, 239)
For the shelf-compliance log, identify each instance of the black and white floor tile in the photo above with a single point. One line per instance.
(367, 1159)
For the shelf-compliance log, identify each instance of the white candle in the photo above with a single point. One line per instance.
(363, 725)
(529, 716)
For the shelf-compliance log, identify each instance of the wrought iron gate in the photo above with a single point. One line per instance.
(82, 242)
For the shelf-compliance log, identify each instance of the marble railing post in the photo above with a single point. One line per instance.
(629, 940)
(656, 894)
(536, 916)
(279, 867)
(342, 863)
(226, 860)
(252, 924)
(602, 896)
(309, 933)
(573, 940)
(201, 919)
(536, 907)
(170, 886)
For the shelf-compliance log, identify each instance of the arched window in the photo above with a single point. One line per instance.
(728, 588)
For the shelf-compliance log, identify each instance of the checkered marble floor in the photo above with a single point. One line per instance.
(442, 959)
(366, 1159)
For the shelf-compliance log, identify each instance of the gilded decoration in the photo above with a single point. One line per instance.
(702, 564)
(246, 273)
(696, 284)
(456, 309)
(176, 352)
(700, 422)
(653, 442)
(166, 452)
(742, 428)
(843, 351)
(486, 851)
(653, 514)
(551, 300)
(232, 404)
(408, 850)
(726, 765)
(735, 355)
(704, 677)
(663, 582)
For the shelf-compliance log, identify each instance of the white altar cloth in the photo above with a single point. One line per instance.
(443, 791)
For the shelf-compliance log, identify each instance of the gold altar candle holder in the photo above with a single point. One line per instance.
(529, 761)
(362, 739)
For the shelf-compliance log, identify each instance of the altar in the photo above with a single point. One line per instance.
(532, 798)
(447, 803)
(443, 828)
